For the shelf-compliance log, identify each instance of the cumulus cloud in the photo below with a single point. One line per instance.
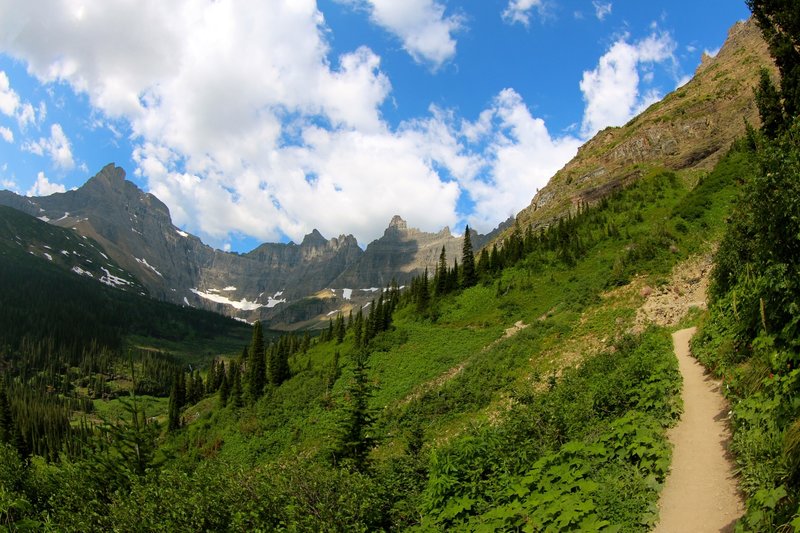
(6, 134)
(601, 9)
(612, 90)
(57, 147)
(248, 126)
(44, 187)
(421, 25)
(519, 11)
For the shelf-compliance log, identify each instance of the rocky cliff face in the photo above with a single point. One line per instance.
(284, 284)
(690, 129)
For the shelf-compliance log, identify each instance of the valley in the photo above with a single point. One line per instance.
(523, 380)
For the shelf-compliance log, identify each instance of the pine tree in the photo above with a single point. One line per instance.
(780, 25)
(769, 104)
(358, 329)
(355, 431)
(339, 328)
(468, 275)
(174, 416)
(224, 387)
(256, 371)
(424, 295)
(441, 274)
(236, 389)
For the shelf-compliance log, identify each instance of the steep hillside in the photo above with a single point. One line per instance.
(690, 129)
(59, 288)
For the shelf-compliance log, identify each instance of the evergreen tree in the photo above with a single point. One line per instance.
(769, 104)
(339, 328)
(441, 275)
(224, 387)
(468, 275)
(358, 329)
(424, 295)
(236, 389)
(780, 24)
(256, 371)
(174, 412)
(355, 431)
(483, 263)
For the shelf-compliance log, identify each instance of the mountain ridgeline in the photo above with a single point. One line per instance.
(285, 284)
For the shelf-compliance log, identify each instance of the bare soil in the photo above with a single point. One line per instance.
(700, 493)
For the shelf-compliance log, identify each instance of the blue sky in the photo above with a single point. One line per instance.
(260, 120)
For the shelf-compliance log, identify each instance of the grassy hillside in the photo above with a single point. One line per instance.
(523, 401)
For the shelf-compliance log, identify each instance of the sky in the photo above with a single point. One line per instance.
(260, 120)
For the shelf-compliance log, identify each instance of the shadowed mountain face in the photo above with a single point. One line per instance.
(285, 284)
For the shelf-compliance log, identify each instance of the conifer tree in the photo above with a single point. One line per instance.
(339, 328)
(441, 274)
(256, 371)
(224, 387)
(174, 416)
(424, 296)
(236, 388)
(358, 329)
(355, 431)
(468, 276)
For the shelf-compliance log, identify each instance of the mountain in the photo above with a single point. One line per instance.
(690, 129)
(22, 235)
(49, 292)
(284, 283)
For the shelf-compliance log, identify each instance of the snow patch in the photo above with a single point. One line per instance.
(229, 288)
(43, 218)
(48, 256)
(187, 302)
(366, 305)
(242, 320)
(81, 272)
(148, 265)
(104, 255)
(66, 214)
(333, 312)
(181, 233)
(272, 302)
(371, 289)
(242, 305)
(64, 252)
(347, 293)
(136, 231)
(113, 281)
(44, 245)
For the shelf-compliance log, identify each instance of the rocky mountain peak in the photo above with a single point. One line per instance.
(397, 222)
(314, 239)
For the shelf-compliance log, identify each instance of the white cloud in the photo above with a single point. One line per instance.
(421, 25)
(601, 9)
(43, 187)
(519, 11)
(519, 158)
(6, 134)
(245, 124)
(9, 184)
(9, 99)
(57, 147)
(612, 90)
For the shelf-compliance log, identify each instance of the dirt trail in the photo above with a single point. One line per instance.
(700, 493)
